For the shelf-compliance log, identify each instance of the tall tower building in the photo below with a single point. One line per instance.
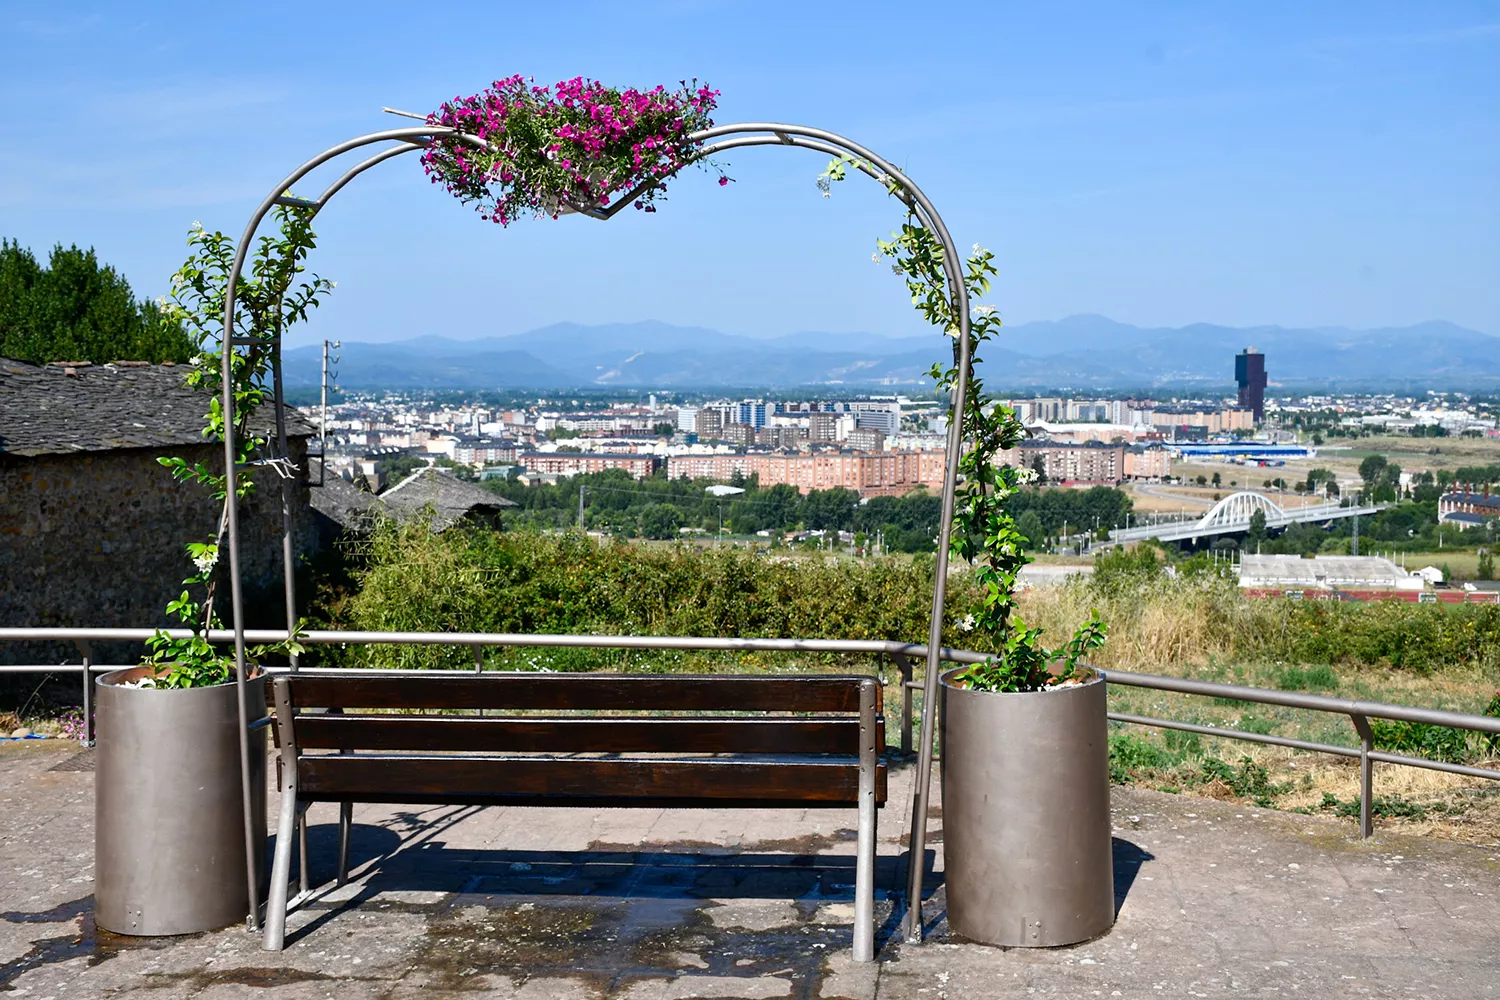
(1250, 373)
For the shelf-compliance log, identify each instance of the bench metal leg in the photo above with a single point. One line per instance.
(281, 871)
(286, 828)
(346, 818)
(864, 863)
(304, 878)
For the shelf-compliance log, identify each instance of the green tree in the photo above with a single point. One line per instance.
(1029, 524)
(660, 520)
(1257, 532)
(74, 309)
(1040, 468)
(1486, 570)
(1371, 468)
(1320, 479)
(1217, 480)
(829, 510)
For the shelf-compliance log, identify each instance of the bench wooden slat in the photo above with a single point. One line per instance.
(579, 781)
(580, 735)
(594, 692)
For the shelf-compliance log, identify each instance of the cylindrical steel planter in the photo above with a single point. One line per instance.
(1027, 859)
(169, 831)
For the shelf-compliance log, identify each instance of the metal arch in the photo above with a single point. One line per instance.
(731, 136)
(1239, 508)
(411, 138)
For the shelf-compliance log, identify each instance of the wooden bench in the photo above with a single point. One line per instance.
(334, 748)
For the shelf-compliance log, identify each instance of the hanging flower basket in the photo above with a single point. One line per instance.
(571, 147)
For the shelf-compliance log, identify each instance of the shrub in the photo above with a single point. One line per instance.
(477, 580)
(1130, 755)
(1315, 678)
(1247, 780)
(1416, 739)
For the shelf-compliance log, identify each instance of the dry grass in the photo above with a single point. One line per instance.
(1408, 800)
(1193, 632)
(1187, 627)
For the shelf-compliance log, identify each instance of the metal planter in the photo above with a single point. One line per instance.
(1026, 828)
(169, 831)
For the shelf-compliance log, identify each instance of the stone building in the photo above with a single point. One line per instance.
(92, 527)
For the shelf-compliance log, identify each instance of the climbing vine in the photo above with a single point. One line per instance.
(984, 531)
(272, 295)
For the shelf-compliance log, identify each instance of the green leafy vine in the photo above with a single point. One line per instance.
(272, 295)
(984, 531)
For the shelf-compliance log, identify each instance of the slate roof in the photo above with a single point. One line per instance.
(450, 498)
(343, 503)
(59, 409)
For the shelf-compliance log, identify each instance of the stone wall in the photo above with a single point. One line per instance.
(96, 539)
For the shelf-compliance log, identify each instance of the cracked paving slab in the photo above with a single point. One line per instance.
(1215, 899)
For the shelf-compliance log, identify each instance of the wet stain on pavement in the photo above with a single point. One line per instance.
(608, 945)
(86, 941)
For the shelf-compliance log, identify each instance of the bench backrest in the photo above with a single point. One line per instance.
(827, 720)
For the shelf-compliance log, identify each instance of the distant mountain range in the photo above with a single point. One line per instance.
(1080, 352)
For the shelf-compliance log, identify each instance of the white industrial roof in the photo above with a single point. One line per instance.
(1256, 570)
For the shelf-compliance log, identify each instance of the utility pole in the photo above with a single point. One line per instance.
(323, 415)
(1354, 546)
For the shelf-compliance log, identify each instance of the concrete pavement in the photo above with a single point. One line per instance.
(1215, 899)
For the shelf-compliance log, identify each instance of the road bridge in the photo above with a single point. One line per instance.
(1232, 516)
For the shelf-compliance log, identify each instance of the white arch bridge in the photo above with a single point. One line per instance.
(1232, 516)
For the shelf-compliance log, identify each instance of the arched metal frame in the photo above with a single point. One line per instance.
(715, 140)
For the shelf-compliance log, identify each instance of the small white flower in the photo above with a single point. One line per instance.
(896, 269)
(966, 624)
(875, 258)
(207, 560)
(198, 360)
(827, 193)
(977, 248)
(985, 310)
(1026, 476)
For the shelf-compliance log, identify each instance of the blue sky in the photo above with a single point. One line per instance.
(1162, 164)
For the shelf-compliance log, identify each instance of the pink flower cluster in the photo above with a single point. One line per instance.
(573, 145)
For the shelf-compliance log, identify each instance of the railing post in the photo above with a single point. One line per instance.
(88, 691)
(1366, 775)
(903, 663)
(865, 852)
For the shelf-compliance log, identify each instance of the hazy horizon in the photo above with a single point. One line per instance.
(917, 331)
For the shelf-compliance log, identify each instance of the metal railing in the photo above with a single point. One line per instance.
(904, 655)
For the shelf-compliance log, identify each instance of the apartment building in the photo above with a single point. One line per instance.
(1220, 421)
(479, 452)
(1094, 462)
(567, 463)
(1147, 461)
(869, 474)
